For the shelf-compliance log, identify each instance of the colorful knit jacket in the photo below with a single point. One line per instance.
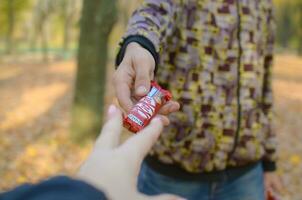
(215, 56)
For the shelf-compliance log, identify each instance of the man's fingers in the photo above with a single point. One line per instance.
(110, 134)
(122, 84)
(169, 107)
(123, 96)
(142, 78)
(140, 144)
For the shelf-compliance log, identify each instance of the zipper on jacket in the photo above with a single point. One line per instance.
(238, 79)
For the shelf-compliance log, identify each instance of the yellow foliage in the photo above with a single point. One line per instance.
(21, 179)
(295, 159)
(31, 152)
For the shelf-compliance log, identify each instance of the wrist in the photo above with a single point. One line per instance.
(135, 40)
(107, 186)
(81, 176)
(89, 171)
(134, 49)
(133, 45)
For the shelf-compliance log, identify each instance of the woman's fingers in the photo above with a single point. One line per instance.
(121, 83)
(165, 120)
(110, 134)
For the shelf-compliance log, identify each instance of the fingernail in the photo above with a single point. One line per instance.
(157, 119)
(141, 90)
(111, 110)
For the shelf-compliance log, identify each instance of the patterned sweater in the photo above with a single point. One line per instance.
(215, 56)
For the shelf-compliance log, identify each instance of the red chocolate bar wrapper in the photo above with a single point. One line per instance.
(146, 108)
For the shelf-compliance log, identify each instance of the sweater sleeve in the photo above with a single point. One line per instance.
(271, 140)
(150, 25)
(60, 187)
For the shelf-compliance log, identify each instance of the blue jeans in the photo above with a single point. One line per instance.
(248, 186)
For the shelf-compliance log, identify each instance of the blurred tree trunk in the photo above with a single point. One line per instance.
(43, 11)
(33, 39)
(44, 45)
(98, 18)
(66, 33)
(44, 42)
(299, 13)
(67, 22)
(285, 23)
(69, 13)
(11, 26)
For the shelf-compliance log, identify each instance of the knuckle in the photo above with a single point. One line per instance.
(142, 57)
(142, 77)
(140, 60)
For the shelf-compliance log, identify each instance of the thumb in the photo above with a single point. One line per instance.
(110, 133)
(142, 79)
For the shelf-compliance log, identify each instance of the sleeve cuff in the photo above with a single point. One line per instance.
(144, 42)
(60, 187)
(269, 166)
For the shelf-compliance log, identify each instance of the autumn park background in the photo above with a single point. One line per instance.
(47, 121)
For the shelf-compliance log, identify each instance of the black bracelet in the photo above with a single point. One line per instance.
(144, 42)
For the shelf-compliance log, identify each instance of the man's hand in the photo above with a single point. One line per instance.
(114, 168)
(133, 76)
(273, 183)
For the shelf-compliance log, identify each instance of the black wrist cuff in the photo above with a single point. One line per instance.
(144, 42)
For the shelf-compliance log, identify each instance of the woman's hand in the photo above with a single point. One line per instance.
(114, 168)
